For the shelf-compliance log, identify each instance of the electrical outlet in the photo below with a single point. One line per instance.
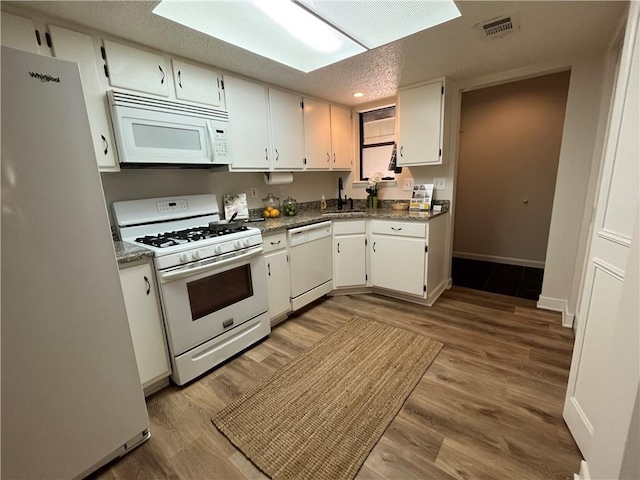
(439, 183)
(254, 192)
(407, 186)
(282, 191)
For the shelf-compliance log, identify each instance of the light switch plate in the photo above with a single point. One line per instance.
(254, 192)
(407, 186)
(439, 183)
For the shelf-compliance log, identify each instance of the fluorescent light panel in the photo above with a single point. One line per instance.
(288, 34)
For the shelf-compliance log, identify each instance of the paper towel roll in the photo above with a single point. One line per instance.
(278, 178)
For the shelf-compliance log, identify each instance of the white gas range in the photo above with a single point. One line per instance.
(212, 284)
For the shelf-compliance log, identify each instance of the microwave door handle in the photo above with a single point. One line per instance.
(187, 272)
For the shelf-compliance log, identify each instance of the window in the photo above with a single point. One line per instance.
(377, 141)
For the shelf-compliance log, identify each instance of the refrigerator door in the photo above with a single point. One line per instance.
(71, 395)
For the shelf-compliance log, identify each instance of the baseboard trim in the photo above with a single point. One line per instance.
(495, 259)
(557, 305)
(449, 283)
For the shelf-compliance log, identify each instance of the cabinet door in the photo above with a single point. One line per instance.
(78, 47)
(278, 283)
(398, 263)
(341, 139)
(287, 125)
(196, 84)
(317, 135)
(19, 32)
(420, 125)
(145, 322)
(349, 261)
(136, 69)
(248, 105)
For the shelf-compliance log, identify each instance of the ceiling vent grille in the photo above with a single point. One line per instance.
(498, 27)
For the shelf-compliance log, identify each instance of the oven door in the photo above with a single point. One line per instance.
(201, 301)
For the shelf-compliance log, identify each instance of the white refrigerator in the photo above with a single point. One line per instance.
(71, 395)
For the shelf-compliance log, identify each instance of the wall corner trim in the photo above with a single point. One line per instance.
(557, 305)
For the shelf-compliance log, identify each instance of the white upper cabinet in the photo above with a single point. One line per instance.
(249, 133)
(420, 112)
(287, 125)
(136, 69)
(341, 139)
(19, 32)
(317, 134)
(78, 47)
(197, 84)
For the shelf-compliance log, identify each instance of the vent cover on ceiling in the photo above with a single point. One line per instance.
(498, 27)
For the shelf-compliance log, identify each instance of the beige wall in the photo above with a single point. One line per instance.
(509, 147)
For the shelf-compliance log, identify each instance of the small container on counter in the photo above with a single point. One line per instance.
(271, 205)
(289, 207)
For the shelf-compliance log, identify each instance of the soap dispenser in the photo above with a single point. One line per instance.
(323, 204)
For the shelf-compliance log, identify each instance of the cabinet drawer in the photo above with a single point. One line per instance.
(274, 242)
(348, 227)
(403, 229)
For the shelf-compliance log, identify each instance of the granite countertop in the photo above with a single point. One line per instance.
(127, 252)
(310, 217)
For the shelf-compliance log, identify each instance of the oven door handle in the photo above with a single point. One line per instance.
(187, 272)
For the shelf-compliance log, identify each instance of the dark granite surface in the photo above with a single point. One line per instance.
(127, 252)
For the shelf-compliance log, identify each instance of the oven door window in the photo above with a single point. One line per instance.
(213, 293)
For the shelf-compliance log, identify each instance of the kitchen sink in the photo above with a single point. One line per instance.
(330, 213)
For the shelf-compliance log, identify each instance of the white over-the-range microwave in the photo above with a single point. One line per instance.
(154, 132)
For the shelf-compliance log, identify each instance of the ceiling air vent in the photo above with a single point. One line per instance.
(498, 27)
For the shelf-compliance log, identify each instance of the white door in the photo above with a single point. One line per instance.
(197, 84)
(341, 138)
(349, 259)
(287, 123)
(606, 268)
(78, 47)
(248, 124)
(136, 69)
(398, 263)
(278, 283)
(317, 135)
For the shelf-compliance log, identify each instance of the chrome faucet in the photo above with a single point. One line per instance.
(340, 187)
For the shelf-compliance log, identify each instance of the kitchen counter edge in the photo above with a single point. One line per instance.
(128, 253)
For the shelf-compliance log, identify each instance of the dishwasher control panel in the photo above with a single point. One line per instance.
(309, 233)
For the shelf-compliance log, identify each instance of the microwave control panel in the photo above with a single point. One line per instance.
(221, 152)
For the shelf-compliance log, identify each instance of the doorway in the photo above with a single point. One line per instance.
(510, 138)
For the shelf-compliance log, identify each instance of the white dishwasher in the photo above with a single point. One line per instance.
(311, 263)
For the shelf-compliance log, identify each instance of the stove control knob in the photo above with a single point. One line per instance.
(183, 257)
(217, 249)
(196, 255)
(238, 243)
(246, 242)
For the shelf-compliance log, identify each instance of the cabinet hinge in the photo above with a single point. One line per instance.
(38, 39)
(440, 153)
(48, 38)
(222, 84)
(366, 277)
(287, 255)
(366, 242)
(424, 288)
(442, 90)
(302, 105)
(103, 53)
(106, 71)
(426, 248)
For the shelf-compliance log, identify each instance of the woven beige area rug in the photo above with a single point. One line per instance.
(319, 416)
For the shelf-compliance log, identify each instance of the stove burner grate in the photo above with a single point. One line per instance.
(170, 239)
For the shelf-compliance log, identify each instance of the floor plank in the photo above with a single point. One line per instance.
(489, 407)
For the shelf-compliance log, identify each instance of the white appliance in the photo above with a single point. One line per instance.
(213, 284)
(155, 132)
(71, 394)
(311, 265)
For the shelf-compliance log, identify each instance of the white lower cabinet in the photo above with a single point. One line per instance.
(349, 254)
(398, 263)
(145, 321)
(277, 266)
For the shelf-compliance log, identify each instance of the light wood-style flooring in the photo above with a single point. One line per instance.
(489, 407)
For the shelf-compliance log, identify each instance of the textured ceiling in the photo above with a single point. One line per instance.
(549, 29)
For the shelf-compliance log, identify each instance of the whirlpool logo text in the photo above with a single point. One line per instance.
(44, 78)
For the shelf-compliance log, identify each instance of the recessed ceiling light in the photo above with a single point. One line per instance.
(307, 34)
(358, 94)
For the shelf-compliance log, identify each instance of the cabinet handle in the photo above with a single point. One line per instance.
(277, 155)
(38, 38)
(338, 247)
(106, 144)
(266, 155)
(374, 246)
(148, 285)
(334, 158)
(276, 243)
(161, 71)
(180, 78)
(401, 147)
(328, 157)
(396, 229)
(269, 269)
